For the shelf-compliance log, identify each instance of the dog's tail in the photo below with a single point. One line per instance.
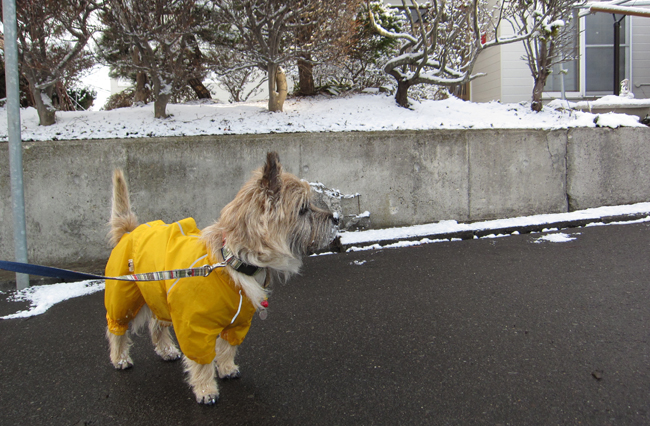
(123, 219)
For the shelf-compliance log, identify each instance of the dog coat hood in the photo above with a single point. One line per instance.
(200, 308)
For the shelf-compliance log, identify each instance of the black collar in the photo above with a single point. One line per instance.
(236, 264)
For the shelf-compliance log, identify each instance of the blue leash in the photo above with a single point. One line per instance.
(46, 271)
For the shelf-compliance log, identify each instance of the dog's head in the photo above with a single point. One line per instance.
(273, 222)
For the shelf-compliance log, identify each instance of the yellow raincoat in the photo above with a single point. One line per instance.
(200, 308)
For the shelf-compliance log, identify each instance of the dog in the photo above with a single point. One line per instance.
(262, 234)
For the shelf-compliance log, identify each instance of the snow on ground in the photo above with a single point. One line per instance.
(609, 102)
(360, 112)
(556, 238)
(41, 298)
(451, 226)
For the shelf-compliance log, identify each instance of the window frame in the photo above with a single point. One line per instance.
(582, 69)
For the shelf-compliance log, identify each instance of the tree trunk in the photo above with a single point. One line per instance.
(161, 96)
(160, 106)
(305, 68)
(44, 107)
(201, 91)
(306, 78)
(46, 114)
(196, 63)
(277, 81)
(141, 93)
(536, 104)
(538, 90)
(543, 66)
(401, 97)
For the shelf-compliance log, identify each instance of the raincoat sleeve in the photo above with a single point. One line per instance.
(197, 338)
(235, 334)
(122, 299)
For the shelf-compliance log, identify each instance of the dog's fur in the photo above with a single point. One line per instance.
(271, 223)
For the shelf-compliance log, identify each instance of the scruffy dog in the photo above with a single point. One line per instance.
(261, 235)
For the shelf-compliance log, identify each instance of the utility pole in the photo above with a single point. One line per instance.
(14, 137)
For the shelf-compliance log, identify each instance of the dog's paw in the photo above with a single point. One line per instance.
(168, 353)
(123, 364)
(233, 375)
(207, 396)
(228, 372)
(207, 399)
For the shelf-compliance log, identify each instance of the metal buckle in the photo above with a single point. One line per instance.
(209, 268)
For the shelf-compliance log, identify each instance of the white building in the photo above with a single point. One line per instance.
(509, 79)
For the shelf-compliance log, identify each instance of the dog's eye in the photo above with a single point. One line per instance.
(304, 210)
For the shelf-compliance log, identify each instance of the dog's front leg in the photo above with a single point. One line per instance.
(225, 360)
(202, 380)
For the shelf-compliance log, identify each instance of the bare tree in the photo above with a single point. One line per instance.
(367, 50)
(159, 34)
(52, 36)
(223, 57)
(264, 34)
(554, 41)
(329, 36)
(442, 43)
(242, 84)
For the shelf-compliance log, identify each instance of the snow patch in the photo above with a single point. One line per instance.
(556, 238)
(43, 297)
(452, 226)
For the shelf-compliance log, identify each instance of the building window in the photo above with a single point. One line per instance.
(595, 68)
(599, 53)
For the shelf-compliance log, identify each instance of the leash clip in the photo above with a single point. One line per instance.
(209, 268)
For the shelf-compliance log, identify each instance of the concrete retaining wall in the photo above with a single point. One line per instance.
(402, 178)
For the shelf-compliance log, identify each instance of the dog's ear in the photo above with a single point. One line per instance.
(271, 180)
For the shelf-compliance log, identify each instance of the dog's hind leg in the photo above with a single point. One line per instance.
(120, 345)
(162, 340)
(202, 380)
(119, 350)
(225, 360)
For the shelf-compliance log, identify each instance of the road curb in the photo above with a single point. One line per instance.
(338, 246)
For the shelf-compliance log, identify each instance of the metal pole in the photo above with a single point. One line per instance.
(617, 55)
(13, 133)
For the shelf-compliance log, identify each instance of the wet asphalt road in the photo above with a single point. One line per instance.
(500, 331)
